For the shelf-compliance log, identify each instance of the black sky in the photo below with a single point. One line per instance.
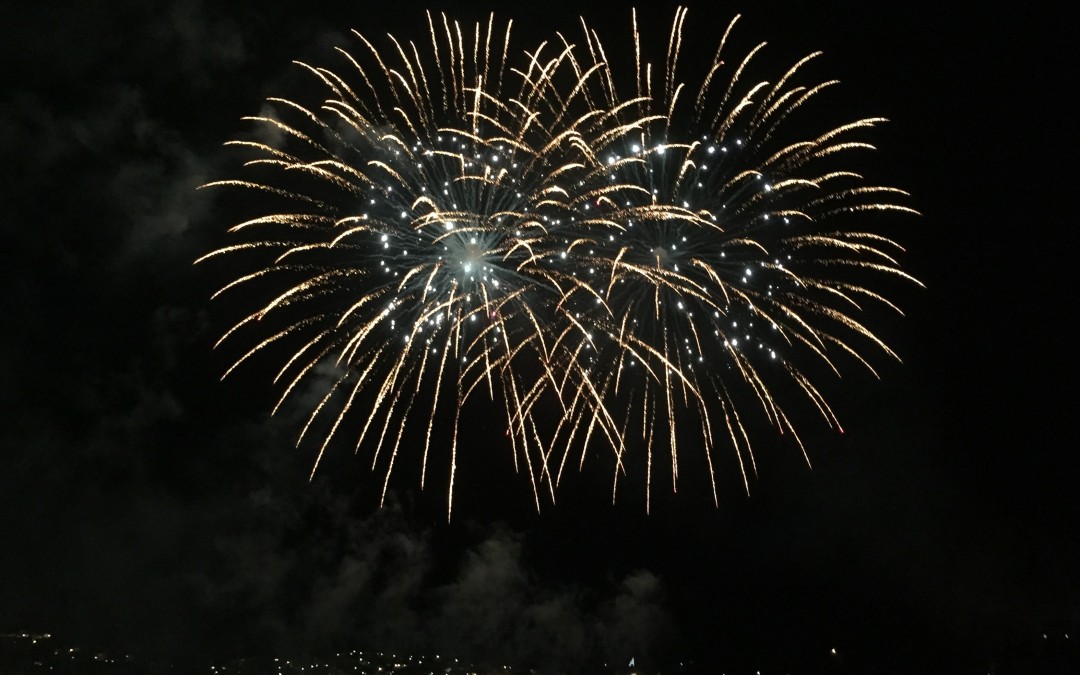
(146, 506)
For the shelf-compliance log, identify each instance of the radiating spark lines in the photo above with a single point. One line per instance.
(461, 220)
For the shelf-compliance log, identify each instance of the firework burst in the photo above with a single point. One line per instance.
(723, 260)
(457, 219)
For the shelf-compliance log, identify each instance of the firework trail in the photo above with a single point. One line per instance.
(454, 222)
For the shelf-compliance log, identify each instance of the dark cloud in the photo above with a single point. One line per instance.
(380, 580)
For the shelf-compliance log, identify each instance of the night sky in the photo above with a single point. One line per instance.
(148, 507)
